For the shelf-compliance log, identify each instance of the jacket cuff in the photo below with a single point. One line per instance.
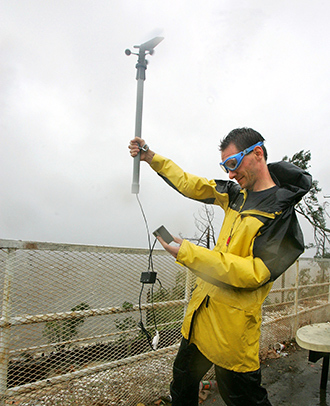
(182, 252)
(157, 162)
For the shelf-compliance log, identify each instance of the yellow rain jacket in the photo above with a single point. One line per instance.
(255, 246)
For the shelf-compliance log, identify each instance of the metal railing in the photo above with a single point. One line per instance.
(300, 296)
(71, 321)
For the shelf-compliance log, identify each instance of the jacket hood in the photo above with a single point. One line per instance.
(293, 182)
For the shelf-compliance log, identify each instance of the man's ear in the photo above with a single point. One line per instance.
(259, 152)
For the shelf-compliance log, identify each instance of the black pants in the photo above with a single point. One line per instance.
(236, 389)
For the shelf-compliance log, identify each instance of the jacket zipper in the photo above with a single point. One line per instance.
(238, 215)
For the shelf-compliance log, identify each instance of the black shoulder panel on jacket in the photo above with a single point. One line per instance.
(280, 243)
(233, 190)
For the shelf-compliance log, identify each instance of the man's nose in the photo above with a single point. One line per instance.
(232, 174)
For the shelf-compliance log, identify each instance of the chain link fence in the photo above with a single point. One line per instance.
(77, 328)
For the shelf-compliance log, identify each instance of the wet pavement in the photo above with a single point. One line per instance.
(290, 379)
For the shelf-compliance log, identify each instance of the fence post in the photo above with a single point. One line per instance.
(5, 329)
(283, 283)
(296, 297)
(187, 290)
(328, 284)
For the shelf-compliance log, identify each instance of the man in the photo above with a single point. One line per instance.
(259, 239)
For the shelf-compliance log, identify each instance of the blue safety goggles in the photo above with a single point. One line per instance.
(234, 161)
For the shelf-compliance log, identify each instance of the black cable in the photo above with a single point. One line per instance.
(142, 286)
(150, 262)
(151, 248)
(150, 268)
(161, 286)
(145, 221)
(141, 325)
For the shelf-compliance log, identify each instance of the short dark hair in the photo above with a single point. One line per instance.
(242, 138)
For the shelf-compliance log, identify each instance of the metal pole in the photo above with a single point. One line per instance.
(144, 49)
(5, 330)
(140, 76)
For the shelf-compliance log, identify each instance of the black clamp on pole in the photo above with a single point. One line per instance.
(144, 49)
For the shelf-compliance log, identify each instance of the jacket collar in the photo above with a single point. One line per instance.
(293, 181)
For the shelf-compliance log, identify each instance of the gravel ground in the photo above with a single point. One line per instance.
(290, 379)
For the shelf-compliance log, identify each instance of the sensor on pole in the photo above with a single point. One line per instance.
(146, 48)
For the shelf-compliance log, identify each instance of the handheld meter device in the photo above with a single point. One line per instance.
(163, 232)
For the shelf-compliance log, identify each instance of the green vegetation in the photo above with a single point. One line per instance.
(61, 331)
(312, 210)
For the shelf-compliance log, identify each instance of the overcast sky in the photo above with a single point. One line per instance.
(68, 99)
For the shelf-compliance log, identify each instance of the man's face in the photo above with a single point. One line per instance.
(245, 174)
